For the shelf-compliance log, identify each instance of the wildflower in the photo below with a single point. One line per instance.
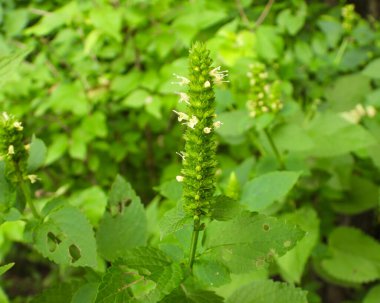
(181, 154)
(192, 122)
(184, 81)
(207, 130)
(11, 150)
(207, 84)
(181, 116)
(183, 97)
(371, 111)
(5, 116)
(219, 75)
(217, 124)
(179, 178)
(32, 178)
(17, 125)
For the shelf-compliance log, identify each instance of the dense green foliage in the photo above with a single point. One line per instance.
(91, 209)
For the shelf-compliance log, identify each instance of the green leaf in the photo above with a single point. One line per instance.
(332, 29)
(249, 241)
(108, 20)
(373, 295)
(269, 43)
(137, 99)
(261, 192)
(174, 220)
(5, 268)
(372, 70)
(186, 294)
(66, 237)
(355, 256)
(171, 190)
(8, 64)
(7, 194)
(235, 124)
(86, 293)
(268, 291)
(61, 293)
(224, 208)
(124, 225)
(15, 21)
(347, 91)
(292, 137)
(37, 154)
(290, 22)
(57, 148)
(292, 264)
(327, 128)
(211, 273)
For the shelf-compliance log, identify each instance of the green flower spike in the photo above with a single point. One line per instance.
(199, 160)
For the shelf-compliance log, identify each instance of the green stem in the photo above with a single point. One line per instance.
(26, 192)
(341, 51)
(194, 241)
(275, 150)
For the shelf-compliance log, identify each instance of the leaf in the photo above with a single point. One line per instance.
(8, 64)
(171, 190)
(136, 99)
(330, 128)
(264, 190)
(186, 294)
(269, 43)
(37, 154)
(124, 225)
(212, 273)
(372, 70)
(86, 293)
(60, 293)
(224, 208)
(235, 124)
(268, 291)
(249, 241)
(292, 264)
(292, 23)
(373, 295)
(347, 91)
(7, 194)
(57, 148)
(355, 256)
(5, 268)
(292, 137)
(108, 20)
(66, 237)
(173, 220)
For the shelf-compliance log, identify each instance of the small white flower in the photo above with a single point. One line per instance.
(148, 100)
(184, 81)
(179, 178)
(181, 116)
(181, 154)
(360, 110)
(267, 88)
(252, 82)
(207, 130)
(192, 122)
(5, 116)
(351, 116)
(207, 84)
(249, 74)
(219, 75)
(11, 150)
(260, 95)
(27, 146)
(217, 124)
(263, 75)
(17, 125)
(264, 109)
(33, 178)
(183, 97)
(371, 111)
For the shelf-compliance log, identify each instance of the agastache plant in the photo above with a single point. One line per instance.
(198, 159)
(15, 155)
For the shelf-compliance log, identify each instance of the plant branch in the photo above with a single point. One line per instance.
(194, 241)
(264, 13)
(275, 150)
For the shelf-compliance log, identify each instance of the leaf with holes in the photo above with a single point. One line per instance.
(124, 225)
(66, 237)
(268, 291)
(249, 241)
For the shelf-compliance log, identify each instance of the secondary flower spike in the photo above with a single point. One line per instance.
(198, 172)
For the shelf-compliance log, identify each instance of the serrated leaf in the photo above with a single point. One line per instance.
(5, 268)
(292, 264)
(264, 190)
(86, 293)
(37, 154)
(186, 294)
(249, 241)
(173, 220)
(8, 64)
(224, 208)
(372, 70)
(124, 225)
(355, 256)
(61, 293)
(211, 272)
(66, 237)
(373, 295)
(268, 291)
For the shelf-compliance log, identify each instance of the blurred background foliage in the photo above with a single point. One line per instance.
(96, 86)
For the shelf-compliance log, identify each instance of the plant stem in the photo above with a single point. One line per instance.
(26, 192)
(194, 241)
(275, 150)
